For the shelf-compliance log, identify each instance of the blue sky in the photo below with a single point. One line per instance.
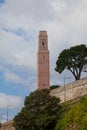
(20, 22)
(2, 1)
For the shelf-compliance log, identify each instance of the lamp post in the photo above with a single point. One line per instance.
(8, 111)
(65, 87)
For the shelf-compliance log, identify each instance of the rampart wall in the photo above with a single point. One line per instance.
(71, 91)
(7, 126)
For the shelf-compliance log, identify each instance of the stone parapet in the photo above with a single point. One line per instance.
(71, 90)
(7, 126)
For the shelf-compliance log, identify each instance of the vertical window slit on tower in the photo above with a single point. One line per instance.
(42, 45)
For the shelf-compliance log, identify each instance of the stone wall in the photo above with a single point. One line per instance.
(7, 126)
(71, 90)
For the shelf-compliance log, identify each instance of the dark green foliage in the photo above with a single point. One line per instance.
(74, 60)
(54, 86)
(0, 124)
(40, 112)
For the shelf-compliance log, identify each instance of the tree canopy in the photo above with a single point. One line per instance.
(54, 86)
(40, 112)
(0, 124)
(74, 60)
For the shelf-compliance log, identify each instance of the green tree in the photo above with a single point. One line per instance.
(0, 124)
(40, 112)
(74, 60)
(54, 86)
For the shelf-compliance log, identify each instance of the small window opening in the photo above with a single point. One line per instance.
(42, 45)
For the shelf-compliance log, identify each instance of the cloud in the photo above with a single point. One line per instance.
(12, 77)
(20, 21)
(9, 100)
(16, 51)
(21, 81)
(65, 21)
(28, 14)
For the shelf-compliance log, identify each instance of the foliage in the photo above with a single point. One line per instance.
(74, 60)
(75, 118)
(0, 124)
(54, 86)
(40, 112)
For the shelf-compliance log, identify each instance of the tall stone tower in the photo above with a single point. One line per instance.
(43, 68)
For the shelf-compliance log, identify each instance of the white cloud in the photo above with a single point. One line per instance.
(16, 51)
(65, 21)
(20, 21)
(9, 100)
(13, 77)
(26, 13)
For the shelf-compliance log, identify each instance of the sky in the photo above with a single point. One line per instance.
(20, 21)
